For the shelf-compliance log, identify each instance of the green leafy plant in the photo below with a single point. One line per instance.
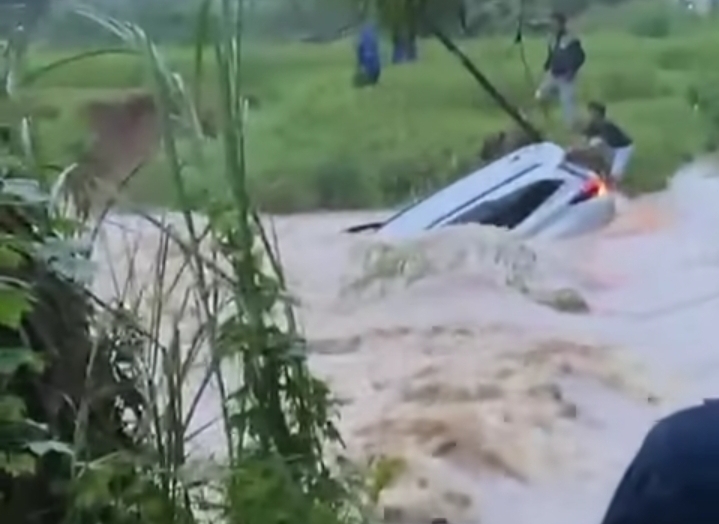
(120, 451)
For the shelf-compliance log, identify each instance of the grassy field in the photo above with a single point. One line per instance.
(316, 142)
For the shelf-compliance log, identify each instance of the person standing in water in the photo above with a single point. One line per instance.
(602, 131)
(674, 477)
(369, 65)
(565, 57)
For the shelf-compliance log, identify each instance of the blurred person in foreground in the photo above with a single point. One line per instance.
(368, 65)
(674, 477)
(601, 131)
(565, 57)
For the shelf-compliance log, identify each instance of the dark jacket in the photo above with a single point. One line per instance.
(674, 478)
(612, 135)
(565, 56)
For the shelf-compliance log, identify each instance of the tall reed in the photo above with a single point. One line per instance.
(208, 322)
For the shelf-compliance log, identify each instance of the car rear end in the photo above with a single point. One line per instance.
(585, 203)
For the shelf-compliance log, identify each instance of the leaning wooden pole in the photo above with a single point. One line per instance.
(531, 131)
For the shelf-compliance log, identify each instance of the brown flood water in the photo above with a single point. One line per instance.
(504, 410)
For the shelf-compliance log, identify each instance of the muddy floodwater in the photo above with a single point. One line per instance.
(514, 379)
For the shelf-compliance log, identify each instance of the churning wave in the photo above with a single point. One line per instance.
(510, 380)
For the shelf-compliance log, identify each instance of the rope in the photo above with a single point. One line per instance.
(528, 75)
(519, 41)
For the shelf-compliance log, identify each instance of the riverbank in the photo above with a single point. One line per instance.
(314, 142)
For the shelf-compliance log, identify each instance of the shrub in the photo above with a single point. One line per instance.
(220, 316)
(396, 135)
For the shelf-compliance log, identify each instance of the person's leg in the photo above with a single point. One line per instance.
(566, 100)
(620, 161)
(362, 78)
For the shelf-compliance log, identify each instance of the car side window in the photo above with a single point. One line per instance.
(512, 209)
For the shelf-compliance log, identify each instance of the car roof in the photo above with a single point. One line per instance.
(525, 165)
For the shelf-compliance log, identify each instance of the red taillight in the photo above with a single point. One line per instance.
(593, 187)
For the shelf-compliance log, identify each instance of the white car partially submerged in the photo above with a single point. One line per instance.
(535, 192)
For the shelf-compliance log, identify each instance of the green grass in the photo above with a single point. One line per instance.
(316, 142)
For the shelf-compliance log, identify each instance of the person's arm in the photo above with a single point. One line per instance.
(363, 47)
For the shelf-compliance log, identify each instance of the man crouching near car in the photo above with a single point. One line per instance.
(601, 131)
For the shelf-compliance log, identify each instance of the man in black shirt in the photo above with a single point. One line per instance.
(601, 130)
(565, 57)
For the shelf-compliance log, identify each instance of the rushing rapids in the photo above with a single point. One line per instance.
(512, 380)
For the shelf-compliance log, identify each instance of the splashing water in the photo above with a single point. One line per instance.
(503, 410)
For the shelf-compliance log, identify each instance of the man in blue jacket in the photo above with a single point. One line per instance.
(565, 57)
(674, 477)
(369, 66)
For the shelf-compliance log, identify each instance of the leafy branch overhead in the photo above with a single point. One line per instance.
(406, 16)
(468, 16)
